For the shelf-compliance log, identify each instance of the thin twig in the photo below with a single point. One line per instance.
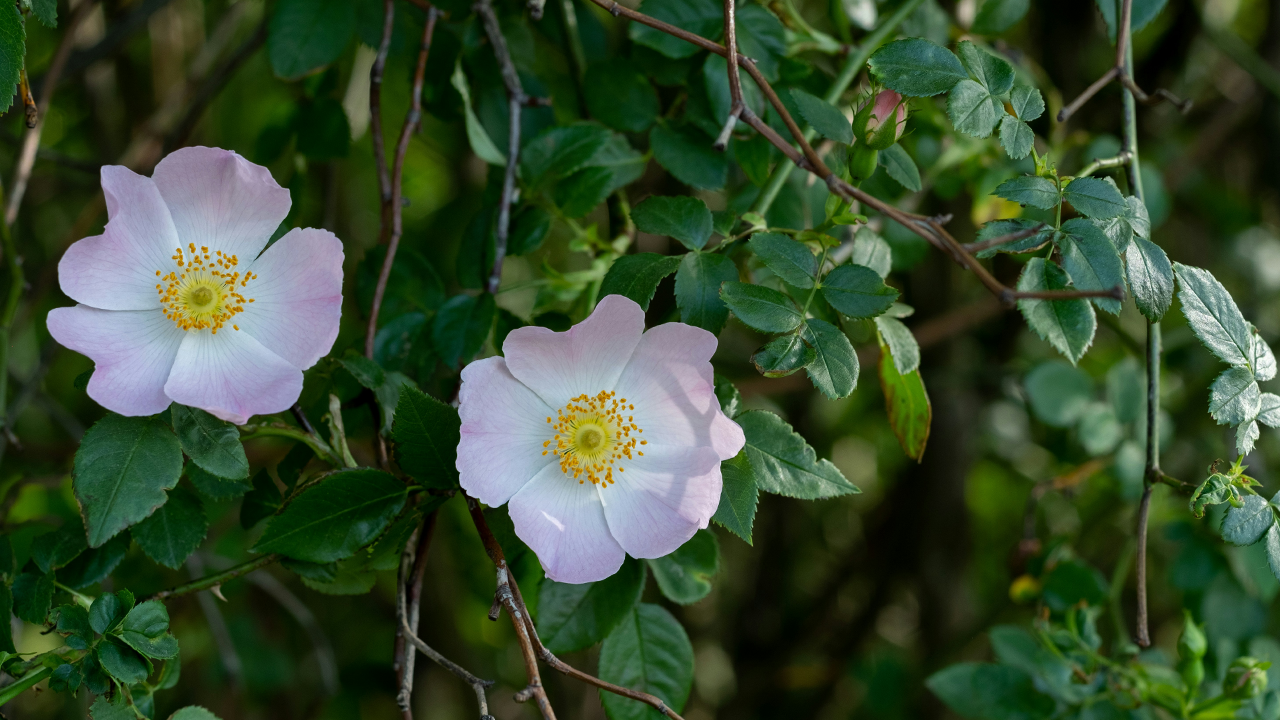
(515, 101)
(736, 105)
(210, 581)
(294, 606)
(1100, 163)
(977, 247)
(375, 117)
(413, 567)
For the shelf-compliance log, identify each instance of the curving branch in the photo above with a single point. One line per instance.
(736, 105)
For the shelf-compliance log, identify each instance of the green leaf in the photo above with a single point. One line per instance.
(426, 432)
(901, 167)
(783, 355)
(996, 16)
(324, 132)
(834, 369)
(333, 519)
(685, 575)
(92, 566)
(1269, 409)
(461, 326)
(1245, 525)
(1058, 392)
(871, 250)
(73, 622)
(616, 164)
(214, 487)
(973, 110)
(916, 67)
(481, 144)
(857, 291)
(122, 469)
(1071, 582)
(1234, 397)
(211, 443)
(46, 11)
(193, 712)
(1027, 103)
(529, 227)
(1213, 315)
(823, 116)
(353, 576)
(1098, 199)
(993, 73)
(648, 651)
(1067, 325)
(114, 709)
(175, 530)
(146, 629)
(762, 308)
(790, 260)
(1099, 431)
(901, 343)
(575, 617)
(122, 662)
(907, 404)
(1029, 190)
(637, 276)
(684, 218)
(260, 503)
(998, 228)
(366, 372)
(1016, 137)
(728, 396)
(619, 96)
(13, 51)
(305, 35)
(700, 17)
(561, 150)
(32, 596)
(982, 691)
(6, 611)
(739, 497)
(54, 550)
(1142, 13)
(688, 156)
(761, 37)
(1150, 277)
(1091, 261)
(108, 610)
(698, 283)
(784, 464)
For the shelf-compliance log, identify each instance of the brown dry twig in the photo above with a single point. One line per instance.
(516, 99)
(977, 247)
(1120, 72)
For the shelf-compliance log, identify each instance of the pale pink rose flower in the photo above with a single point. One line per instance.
(886, 102)
(179, 303)
(605, 439)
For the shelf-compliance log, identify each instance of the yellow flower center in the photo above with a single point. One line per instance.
(204, 291)
(592, 436)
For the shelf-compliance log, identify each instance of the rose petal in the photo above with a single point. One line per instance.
(563, 522)
(220, 200)
(662, 499)
(503, 430)
(132, 351)
(232, 376)
(117, 269)
(297, 296)
(669, 381)
(586, 358)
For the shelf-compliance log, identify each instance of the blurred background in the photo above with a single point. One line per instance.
(840, 608)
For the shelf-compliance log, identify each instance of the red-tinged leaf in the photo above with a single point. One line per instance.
(907, 404)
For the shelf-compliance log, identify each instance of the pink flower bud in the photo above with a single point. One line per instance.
(886, 102)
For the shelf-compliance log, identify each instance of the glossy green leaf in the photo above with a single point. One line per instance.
(461, 326)
(122, 469)
(58, 548)
(13, 51)
(650, 652)
(481, 144)
(823, 116)
(1245, 525)
(698, 282)
(783, 355)
(788, 259)
(857, 291)
(1027, 103)
(762, 308)
(336, 517)
(575, 617)
(700, 17)
(619, 96)
(684, 576)
(193, 712)
(901, 343)
(834, 368)
(1029, 190)
(211, 443)
(1091, 260)
(684, 218)
(116, 708)
(995, 74)
(305, 35)
(783, 463)
(426, 433)
(560, 151)
(871, 250)
(996, 16)
(739, 497)
(637, 276)
(214, 487)
(978, 691)
(1269, 409)
(1234, 397)
(1071, 582)
(32, 596)
(916, 67)
(1067, 325)
(689, 157)
(108, 610)
(146, 629)
(973, 110)
(1098, 199)
(1213, 315)
(1016, 137)
(907, 404)
(901, 167)
(122, 662)
(73, 625)
(1000, 228)
(46, 11)
(175, 530)
(1150, 277)
(615, 165)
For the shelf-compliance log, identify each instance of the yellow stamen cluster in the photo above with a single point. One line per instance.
(592, 435)
(204, 292)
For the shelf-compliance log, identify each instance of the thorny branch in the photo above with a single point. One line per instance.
(516, 100)
(1123, 71)
(508, 596)
(807, 158)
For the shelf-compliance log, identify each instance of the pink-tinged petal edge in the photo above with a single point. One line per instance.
(220, 200)
(132, 350)
(117, 269)
(232, 376)
(669, 379)
(297, 296)
(563, 523)
(662, 499)
(586, 358)
(503, 430)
